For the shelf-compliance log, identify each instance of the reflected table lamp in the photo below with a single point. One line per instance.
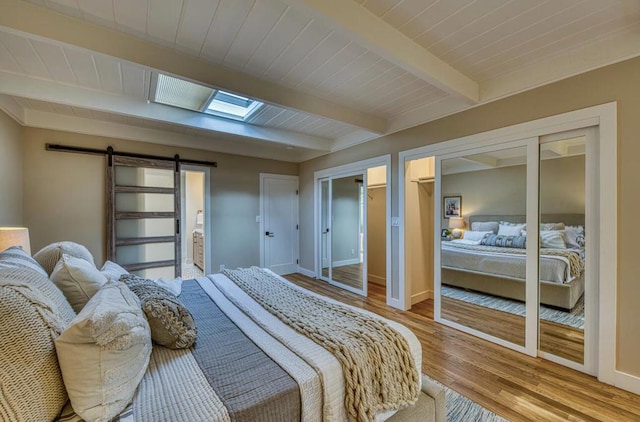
(455, 224)
(15, 236)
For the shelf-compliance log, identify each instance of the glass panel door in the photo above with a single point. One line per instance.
(144, 216)
(484, 250)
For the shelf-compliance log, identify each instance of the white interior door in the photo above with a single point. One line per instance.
(279, 223)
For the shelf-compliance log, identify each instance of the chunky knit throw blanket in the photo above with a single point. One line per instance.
(379, 371)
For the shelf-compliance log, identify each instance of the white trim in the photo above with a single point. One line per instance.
(261, 230)
(605, 117)
(419, 297)
(627, 382)
(562, 361)
(308, 273)
(363, 165)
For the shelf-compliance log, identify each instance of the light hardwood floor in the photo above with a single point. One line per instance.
(515, 386)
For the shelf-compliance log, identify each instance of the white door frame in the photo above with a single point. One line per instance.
(363, 165)
(604, 118)
(208, 220)
(264, 176)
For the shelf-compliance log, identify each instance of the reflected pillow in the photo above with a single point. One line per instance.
(511, 229)
(574, 236)
(482, 226)
(551, 226)
(519, 242)
(552, 239)
(475, 235)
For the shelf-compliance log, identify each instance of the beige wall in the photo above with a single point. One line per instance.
(419, 233)
(10, 172)
(502, 191)
(619, 82)
(64, 194)
(377, 234)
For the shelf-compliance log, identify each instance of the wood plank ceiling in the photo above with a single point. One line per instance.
(501, 46)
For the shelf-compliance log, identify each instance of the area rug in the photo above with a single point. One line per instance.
(574, 319)
(460, 408)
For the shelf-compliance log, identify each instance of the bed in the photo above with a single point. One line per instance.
(246, 364)
(490, 270)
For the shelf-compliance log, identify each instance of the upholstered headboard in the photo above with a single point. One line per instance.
(567, 219)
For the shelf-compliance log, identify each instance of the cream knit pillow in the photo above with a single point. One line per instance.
(31, 387)
(104, 353)
(78, 279)
(49, 256)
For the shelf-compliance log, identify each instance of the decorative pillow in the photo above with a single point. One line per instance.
(15, 257)
(104, 353)
(171, 322)
(551, 226)
(574, 236)
(553, 239)
(483, 226)
(112, 271)
(174, 286)
(475, 235)
(510, 229)
(519, 242)
(49, 256)
(78, 279)
(31, 384)
(34, 279)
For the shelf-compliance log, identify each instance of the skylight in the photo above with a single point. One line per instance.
(192, 96)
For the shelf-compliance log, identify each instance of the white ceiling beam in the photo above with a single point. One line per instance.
(50, 91)
(357, 23)
(27, 18)
(12, 108)
(485, 160)
(240, 146)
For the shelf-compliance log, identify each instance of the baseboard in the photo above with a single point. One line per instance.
(306, 272)
(419, 297)
(377, 279)
(346, 262)
(627, 382)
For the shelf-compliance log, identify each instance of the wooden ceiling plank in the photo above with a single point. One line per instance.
(27, 18)
(374, 33)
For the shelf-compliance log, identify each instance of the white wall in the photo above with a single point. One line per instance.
(11, 172)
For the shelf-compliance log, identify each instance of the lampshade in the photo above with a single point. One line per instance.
(456, 222)
(15, 236)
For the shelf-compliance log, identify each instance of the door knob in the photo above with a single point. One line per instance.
(270, 234)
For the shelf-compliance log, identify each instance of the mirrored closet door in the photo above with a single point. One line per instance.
(485, 259)
(516, 264)
(343, 235)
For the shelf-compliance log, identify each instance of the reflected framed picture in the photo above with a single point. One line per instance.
(452, 206)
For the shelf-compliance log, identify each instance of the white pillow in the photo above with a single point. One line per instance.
(104, 353)
(174, 286)
(78, 279)
(475, 235)
(112, 271)
(510, 229)
(481, 226)
(574, 236)
(552, 239)
(466, 242)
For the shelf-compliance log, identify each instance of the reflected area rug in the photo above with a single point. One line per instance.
(462, 409)
(574, 319)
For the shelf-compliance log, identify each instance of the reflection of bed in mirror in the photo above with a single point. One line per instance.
(489, 270)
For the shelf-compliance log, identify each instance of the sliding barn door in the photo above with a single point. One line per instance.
(143, 222)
